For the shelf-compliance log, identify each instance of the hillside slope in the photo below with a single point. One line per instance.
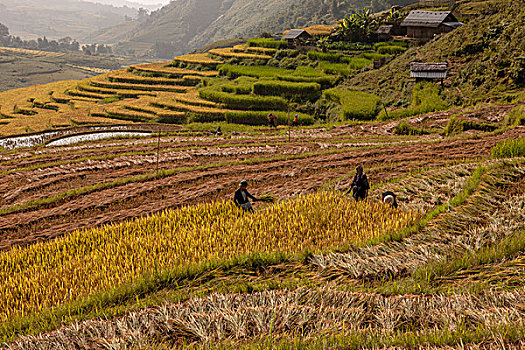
(189, 24)
(486, 57)
(31, 19)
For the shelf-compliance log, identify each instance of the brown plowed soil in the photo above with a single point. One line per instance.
(208, 169)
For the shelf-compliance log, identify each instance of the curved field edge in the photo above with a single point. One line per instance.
(400, 315)
(95, 305)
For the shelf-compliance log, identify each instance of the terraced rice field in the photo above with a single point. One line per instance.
(134, 242)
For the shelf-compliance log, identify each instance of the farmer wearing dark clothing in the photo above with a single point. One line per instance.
(242, 197)
(389, 198)
(360, 185)
(218, 132)
(272, 120)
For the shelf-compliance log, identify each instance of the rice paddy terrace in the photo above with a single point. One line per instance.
(132, 242)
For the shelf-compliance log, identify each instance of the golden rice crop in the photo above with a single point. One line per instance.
(161, 69)
(105, 84)
(182, 107)
(198, 58)
(229, 53)
(87, 262)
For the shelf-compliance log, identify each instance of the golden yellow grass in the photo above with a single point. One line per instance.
(192, 98)
(87, 262)
(162, 68)
(198, 58)
(230, 53)
(19, 124)
(321, 29)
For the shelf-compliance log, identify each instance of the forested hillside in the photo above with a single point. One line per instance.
(189, 24)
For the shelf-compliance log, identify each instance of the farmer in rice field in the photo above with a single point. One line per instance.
(389, 198)
(242, 197)
(359, 185)
(272, 120)
(295, 120)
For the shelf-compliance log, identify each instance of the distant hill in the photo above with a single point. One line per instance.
(151, 5)
(21, 68)
(57, 19)
(190, 24)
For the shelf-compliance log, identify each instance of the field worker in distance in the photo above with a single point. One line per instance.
(389, 198)
(218, 132)
(360, 185)
(295, 120)
(242, 197)
(272, 120)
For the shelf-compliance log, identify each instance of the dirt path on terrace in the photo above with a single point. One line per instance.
(283, 178)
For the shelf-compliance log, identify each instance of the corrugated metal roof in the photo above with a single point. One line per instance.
(428, 67)
(429, 75)
(295, 33)
(385, 29)
(427, 19)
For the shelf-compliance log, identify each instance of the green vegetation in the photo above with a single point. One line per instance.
(244, 102)
(509, 149)
(426, 98)
(515, 117)
(397, 43)
(403, 128)
(261, 118)
(457, 126)
(267, 43)
(374, 56)
(390, 50)
(324, 56)
(356, 104)
(311, 91)
(235, 71)
(336, 68)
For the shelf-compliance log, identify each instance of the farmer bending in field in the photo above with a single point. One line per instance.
(389, 198)
(360, 185)
(272, 120)
(242, 197)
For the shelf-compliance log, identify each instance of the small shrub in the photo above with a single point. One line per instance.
(356, 104)
(515, 117)
(509, 149)
(403, 128)
(454, 127)
(261, 118)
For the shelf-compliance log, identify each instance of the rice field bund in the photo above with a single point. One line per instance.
(118, 229)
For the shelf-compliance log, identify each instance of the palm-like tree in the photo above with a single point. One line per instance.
(356, 27)
(394, 17)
